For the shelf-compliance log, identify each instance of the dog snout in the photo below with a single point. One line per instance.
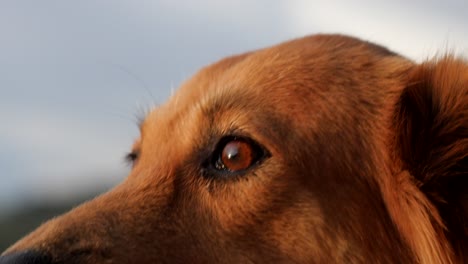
(26, 257)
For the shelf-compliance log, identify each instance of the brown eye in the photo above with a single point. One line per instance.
(132, 157)
(236, 155)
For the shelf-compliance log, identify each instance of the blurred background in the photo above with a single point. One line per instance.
(75, 75)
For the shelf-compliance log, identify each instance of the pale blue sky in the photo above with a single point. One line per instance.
(73, 74)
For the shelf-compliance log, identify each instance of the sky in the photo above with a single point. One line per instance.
(76, 75)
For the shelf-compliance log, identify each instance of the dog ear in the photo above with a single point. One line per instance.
(432, 141)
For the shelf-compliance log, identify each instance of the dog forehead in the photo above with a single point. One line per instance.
(300, 62)
(288, 75)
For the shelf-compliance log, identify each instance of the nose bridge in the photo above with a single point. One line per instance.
(79, 228)
(132, 211)
(99, 226)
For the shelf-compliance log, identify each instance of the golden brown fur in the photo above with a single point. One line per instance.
(367, 164)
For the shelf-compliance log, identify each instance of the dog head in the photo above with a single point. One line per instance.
(319, 150)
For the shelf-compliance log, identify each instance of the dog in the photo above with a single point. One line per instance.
(323, 149)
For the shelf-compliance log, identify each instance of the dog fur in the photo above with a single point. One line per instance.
(367, 163)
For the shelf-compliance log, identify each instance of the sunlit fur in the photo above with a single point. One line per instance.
(368, 164)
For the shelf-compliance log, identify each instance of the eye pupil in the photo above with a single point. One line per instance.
(237, 155)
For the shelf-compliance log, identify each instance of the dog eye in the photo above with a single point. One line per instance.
(237, 154)
(132, 157)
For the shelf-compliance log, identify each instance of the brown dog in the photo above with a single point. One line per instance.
(324, 149)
